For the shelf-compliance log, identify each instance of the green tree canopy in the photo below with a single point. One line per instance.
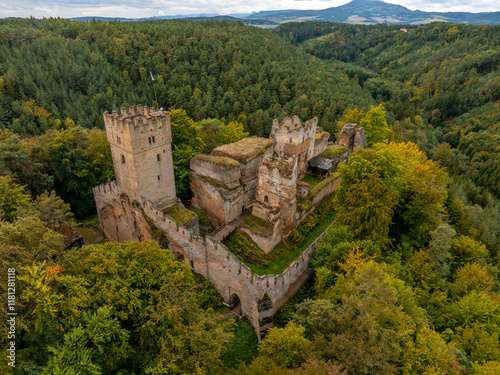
(286, 346)
(376, 126)
(13, 198)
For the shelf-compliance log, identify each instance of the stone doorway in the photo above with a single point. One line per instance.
(235, 304)
(178, 256)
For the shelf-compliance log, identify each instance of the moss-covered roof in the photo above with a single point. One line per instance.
(221, 161)
(333, 150)
(257, 226)
(322, 135)
(243, 150)
(179, 213)
(286, 169)
(315, 190)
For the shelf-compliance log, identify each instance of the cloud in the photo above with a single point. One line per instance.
(146, 8)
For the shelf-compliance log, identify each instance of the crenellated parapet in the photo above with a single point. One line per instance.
(129, 127)
(110, 188)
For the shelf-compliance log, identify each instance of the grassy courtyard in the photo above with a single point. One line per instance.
(240, 244)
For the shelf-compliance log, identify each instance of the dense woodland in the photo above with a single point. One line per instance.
(406, 282)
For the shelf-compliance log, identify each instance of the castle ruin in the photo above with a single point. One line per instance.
(254, 175)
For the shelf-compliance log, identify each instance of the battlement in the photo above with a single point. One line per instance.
(134, 120)
(109, 189)
(291, 125)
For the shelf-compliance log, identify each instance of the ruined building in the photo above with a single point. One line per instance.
(256, 175)
(259, 173)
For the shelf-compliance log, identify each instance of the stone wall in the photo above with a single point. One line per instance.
(217, 189)
(292, 138)
(360, 139)
(320, 144)
(276, 193)
(267, 243)
(260, 296)
(318, 198)
(352, 137)
(120, 219)
(346, 135)
(223, 186)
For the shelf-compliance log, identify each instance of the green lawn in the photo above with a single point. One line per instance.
(257, 225)
(279, 265)
(180, 214)
(333, 151)
(240, 244)
(311, 180)
(206, 225)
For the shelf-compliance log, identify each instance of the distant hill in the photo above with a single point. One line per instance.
(375, 11)
(357, 11)
(487, 18)
(191, 17)
(105, 19)
(248, 21)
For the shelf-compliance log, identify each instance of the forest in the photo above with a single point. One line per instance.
(407, 280)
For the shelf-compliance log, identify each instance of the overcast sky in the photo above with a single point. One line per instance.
(149, 8)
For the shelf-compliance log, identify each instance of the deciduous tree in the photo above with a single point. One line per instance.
(286, 346)
(13, 198)
(429, 355)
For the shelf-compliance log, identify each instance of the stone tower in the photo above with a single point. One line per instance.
(276, 192)
(292, 138)
(142, 155)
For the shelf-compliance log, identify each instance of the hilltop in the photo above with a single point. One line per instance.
(356, 11)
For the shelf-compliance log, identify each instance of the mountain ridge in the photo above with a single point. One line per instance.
(356, 11)
(377, 11)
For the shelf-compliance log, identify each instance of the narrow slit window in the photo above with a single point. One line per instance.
(118, 140)
(123, 159)
(158, 177)
(158, 157)
(153, 139)
(149, 139)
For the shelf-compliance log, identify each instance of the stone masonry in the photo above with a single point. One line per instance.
(258, 172)
(254, 171)
(142, 156)
(260, 296)
(224, 182)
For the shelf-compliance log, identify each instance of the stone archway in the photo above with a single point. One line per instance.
(266, 315)
(178, 256)
(235, 304)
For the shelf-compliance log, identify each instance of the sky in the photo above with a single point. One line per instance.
(150, 8)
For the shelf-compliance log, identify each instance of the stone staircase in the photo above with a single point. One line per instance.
(222, 232)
